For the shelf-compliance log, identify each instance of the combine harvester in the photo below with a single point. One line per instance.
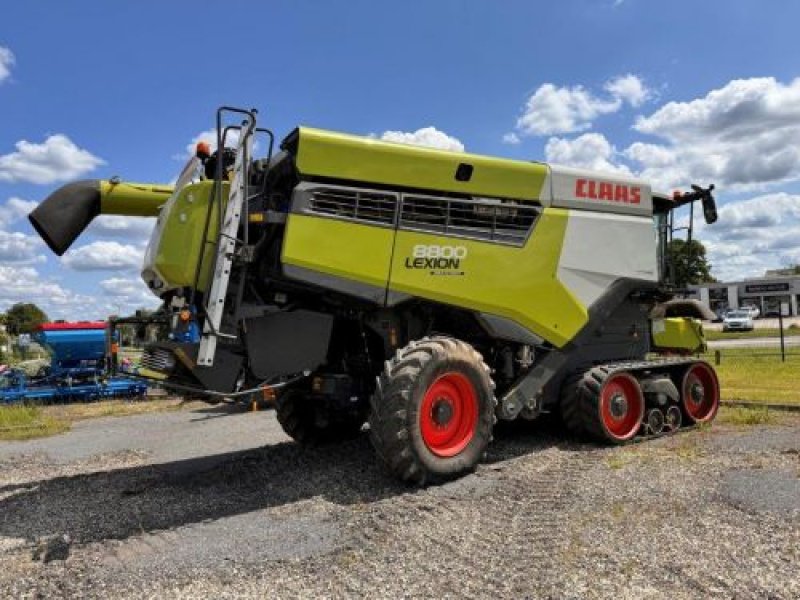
(77, 370)
(427, 292)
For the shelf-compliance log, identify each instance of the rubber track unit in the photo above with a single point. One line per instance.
(394, 425)
(580, 393)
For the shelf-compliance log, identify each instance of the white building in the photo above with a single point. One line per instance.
(767, 293)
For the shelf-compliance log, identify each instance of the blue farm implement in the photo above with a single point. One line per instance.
(77, 370)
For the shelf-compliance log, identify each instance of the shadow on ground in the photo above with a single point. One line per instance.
(119, 503)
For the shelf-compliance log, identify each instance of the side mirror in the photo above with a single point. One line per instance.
(709, 204)
(709, 209)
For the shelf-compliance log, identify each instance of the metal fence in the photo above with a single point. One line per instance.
(759, 366)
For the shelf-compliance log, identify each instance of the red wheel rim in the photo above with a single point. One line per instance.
(448, 415)
(700, 393)
(621, 406)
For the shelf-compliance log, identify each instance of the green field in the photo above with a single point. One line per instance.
(758, 375)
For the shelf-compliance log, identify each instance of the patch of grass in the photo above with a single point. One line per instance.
(758, 375)
(743, 416)
(626, 455)
(113, 408)
(713, 334)
(687, 450)
(26, 422)
(616, 462)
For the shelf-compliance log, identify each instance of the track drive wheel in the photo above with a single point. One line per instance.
(700, 393)
(432, 412)
(306, 420)
(609, 405)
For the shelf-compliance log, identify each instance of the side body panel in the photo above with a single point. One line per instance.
(177, 239)
(518, 283)
(337, 253)
(600, 248)
(341, 156)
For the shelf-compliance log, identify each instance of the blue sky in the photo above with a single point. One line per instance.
(674, 92)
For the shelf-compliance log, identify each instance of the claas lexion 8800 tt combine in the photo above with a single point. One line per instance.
(427, 292)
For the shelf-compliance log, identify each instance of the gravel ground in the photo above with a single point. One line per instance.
(193, 504)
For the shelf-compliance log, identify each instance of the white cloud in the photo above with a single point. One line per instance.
(210, 137)
(629, 88)
(554, 110)
(124, 286)
(104, 256)
(16, 247)
(137, 229)
(771, 210)
(511, 138)
(753, 235)
(7, 61)
(56, 159)
(25, 284)
(129, 293)
(588, 151)
(427, 136)
(15, 209)
(745, 135)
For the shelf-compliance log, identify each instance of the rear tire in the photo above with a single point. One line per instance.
(433, 411)
(306, 420)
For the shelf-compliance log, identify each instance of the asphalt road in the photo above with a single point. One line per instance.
(213, 503)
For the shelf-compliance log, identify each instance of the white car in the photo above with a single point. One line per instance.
(737, 320)
(754, 311)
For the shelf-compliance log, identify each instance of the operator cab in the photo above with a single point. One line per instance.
(664, 207)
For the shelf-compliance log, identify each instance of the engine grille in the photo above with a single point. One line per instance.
(158, 359)
(359, 205)
(484, 218)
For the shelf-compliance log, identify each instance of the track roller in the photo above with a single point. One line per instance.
(654, 421)
(673, 419)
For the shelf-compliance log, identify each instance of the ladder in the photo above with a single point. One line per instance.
(226, 246)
